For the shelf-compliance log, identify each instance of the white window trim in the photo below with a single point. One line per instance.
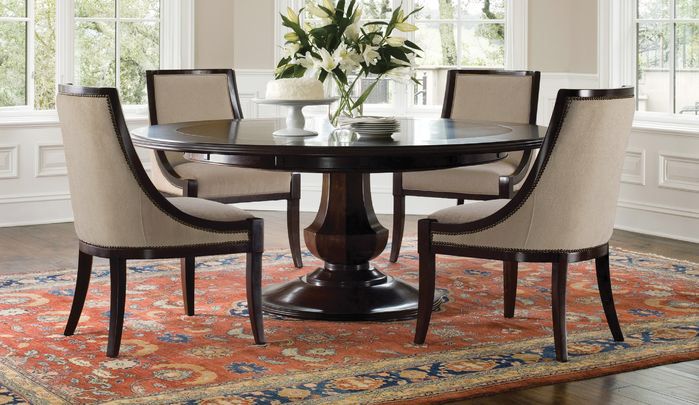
(516, 40)
(617, 63)
(176, 50)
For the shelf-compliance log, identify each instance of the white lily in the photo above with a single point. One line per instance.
(307, 61)
(292, 15)
(316, 11)
(395, 42)
(405, 27)
(327, 61)
(348, 59)
(370, 56)
(291, 36)
(291, 49)
(357, 15)
(329, 5)
(352, 32)
(401, 74)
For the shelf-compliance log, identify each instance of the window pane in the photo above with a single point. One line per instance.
(13, 8)
(140, 51)
(13, 66)
(45, 55)
(653, 77)
(95, 8)
(687, 8)
(443, 34)
(687, 68)
(482, 44)
(483, 9)
(650, 9)
(376, 9)
(95, 54)
(139, 8)
(435, 9)
(432, 86)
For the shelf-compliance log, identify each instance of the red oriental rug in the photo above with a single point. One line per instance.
(472, 350)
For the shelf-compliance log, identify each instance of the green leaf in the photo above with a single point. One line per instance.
(411, 44)
(398, 54)
(323, 74)
(340, 75)
(283, 62)
(365, 94)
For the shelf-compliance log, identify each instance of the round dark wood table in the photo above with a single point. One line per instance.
(345, 233)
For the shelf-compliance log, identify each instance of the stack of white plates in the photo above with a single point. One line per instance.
(372, 127)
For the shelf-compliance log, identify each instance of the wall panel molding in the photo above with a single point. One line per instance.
(634, 171)
(678, 171)
(50, 160)
(9, 161)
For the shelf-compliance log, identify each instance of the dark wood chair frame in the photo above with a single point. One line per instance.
(558, 258)
(506, 183)
(118, 256)
(190, 186)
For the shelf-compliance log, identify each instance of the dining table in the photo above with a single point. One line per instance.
(345, 233)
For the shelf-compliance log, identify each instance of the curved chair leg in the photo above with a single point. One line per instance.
(81, 285)
(253, 281)
(398, 226)
(509, 284)
(187, 278)
(426, 296)
(604, 285)
(559, 277)
(292, 219)
(117, 276)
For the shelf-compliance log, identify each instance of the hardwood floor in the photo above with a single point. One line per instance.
(53, 247)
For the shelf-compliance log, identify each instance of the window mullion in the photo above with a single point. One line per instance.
(672, 66)
(65, 41)
(117, 45)
(30, 54)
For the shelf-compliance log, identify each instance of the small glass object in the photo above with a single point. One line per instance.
(343, 135)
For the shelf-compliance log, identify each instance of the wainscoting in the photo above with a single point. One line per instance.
(659, 195)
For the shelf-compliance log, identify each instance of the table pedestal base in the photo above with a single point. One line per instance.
(346, 235)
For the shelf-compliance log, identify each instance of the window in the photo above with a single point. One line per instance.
(453, 34)
(654, 46)
(667, 49)
(90, 43)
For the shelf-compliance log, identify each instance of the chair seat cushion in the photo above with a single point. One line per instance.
(216, 181)
(470, 212)
(210, 210)
(478, 179)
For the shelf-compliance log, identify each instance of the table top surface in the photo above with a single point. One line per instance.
(448, 141)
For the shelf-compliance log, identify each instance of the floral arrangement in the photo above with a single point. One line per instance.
(345, 49)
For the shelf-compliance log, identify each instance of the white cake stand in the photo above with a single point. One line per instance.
(294, 119)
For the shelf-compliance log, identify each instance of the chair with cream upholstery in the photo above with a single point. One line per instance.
(563, 213)
(120, 215)
(484, 95)
(198, 95)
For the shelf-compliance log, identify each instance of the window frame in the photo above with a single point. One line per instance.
(516, 33)
(176, 52)
(617, 59)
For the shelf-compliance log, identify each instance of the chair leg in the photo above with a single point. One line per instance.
(81, 285)
(187, 278)
(604, 284)
(398, 226)
(117, 276)
(509, 284)
(426, 296)
(559, 277)
(292, 227)
(253, 281)
(459, 201)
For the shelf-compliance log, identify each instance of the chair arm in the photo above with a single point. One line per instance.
(190, 187)
(507, 183)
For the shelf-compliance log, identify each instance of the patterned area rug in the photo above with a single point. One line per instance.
(472, 350)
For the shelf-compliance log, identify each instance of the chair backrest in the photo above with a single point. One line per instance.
(492, 95)
(114, 202)
(569, 199)
(191, 95)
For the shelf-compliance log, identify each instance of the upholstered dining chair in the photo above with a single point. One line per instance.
(563, 213)
(484, 95)
(198, 95)
(120, 215)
